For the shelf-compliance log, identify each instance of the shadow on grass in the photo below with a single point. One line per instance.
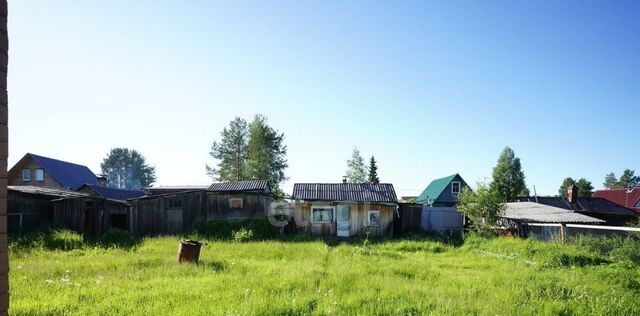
(51, 238)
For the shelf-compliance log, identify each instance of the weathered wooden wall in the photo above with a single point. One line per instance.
(154, 215)
(72, 214)
(35, 209)
(358, 213)
(410, 217)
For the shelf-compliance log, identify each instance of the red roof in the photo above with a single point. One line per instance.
(625, 197)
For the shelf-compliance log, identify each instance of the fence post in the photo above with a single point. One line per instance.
(563, 231)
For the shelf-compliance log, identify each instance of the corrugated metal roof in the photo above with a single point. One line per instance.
(626, 197)
(540, 213)
(68, 175)
(586, 205)
(250, 185)
(354, 192)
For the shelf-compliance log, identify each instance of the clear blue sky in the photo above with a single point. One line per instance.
(429, 88)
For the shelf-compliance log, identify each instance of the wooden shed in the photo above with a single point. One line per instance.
(345, 209)
(91, 215)
(29, 207)
(176, 212)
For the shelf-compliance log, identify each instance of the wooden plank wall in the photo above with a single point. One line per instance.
(358, 219)
(410, 218)
(70, 213)
(153, 215)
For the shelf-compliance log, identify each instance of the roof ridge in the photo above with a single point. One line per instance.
(58, 160)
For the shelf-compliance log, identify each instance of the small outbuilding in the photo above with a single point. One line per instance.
(345, 209)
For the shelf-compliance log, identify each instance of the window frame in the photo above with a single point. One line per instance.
(36, 175)
(459, 187)
(637, 205)
(173, 201)
(378, 224)
(28, 172)
(236, 198)
(332, 213)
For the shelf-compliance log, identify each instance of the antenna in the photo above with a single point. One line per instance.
(535, 194)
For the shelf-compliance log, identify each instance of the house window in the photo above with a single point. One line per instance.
(235, 202)
(26, 175)
(174, 203)
(373, 218)
(322, 214)
(455, 187)
(39, 175)
(638, 204)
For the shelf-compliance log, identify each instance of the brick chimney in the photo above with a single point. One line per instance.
(572, 194)
(344, 179)
(101, 180)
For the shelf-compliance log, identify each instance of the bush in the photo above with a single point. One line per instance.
(117, 238)
(260, 229)
(63, 240)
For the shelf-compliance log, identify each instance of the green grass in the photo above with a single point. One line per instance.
(302, 276)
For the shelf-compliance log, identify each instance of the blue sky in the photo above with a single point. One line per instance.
(429, 88)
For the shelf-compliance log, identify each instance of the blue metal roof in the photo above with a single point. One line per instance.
(114, 193)
(68, 175)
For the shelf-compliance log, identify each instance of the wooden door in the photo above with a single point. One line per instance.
(343, 221)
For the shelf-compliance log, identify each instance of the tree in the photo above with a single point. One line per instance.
(373, 171)
(628, 179)
(356, 171)
(610, 181)
(231, 153)
(585, 188)
(482, 206)
(266, 154)
(508, 177)
(127, 169)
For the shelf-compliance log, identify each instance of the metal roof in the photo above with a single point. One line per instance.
(68, 175)
(238, 186)
(115, 193)
(585, 205)
(28, 189)
(352, 192)
(540, 213)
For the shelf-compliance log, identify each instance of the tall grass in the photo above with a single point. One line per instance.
(413, 276)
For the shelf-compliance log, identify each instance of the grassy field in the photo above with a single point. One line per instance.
(58, 273)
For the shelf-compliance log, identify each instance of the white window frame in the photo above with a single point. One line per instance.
(369, 218)
(333, 213)
(236, 198)
(26, 172)
(459, 187)
(41, 171)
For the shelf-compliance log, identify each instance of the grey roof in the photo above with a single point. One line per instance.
(250, 185)
(541, 213)
(585, 205)
(28, 189)
(352, 192)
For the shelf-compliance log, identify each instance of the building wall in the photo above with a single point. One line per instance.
(358, 219)
(15, 175)
(72, 213)
(4, 139)
(28, 211)
(447, 198)
(160, 215)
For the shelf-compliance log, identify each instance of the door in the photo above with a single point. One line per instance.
(92, 220)
(174, 221)
(342, 221)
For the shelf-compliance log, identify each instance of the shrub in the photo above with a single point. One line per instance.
(63, 239)
(117, 238)
(242, 235)
(260, 229)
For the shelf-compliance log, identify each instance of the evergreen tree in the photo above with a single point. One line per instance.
(610, 181)
(356, 170)
(508, 177)
(231, 153)
(127, 169)
(585, 188)
(373, 171)
(266, 154)
(564, 188)
(628, 179)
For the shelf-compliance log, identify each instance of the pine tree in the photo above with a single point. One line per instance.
(266, 154)
(628, 179)
(231, 153)
(373, 171)
(508, 177)
(610, 181)
(585, 188)
(356, 171)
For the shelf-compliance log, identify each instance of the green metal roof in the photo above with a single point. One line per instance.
(435, 188)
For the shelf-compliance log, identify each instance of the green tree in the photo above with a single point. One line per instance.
(127, 169)
(231, 153)
(482, 206)
(628, 179)
(373, 171)
(585, 188)
(266, 158)
(356, 170)
(610, 181)
(508, 177)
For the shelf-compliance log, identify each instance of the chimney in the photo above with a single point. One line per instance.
(101, 180)
(572, 194)
(344, 179)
